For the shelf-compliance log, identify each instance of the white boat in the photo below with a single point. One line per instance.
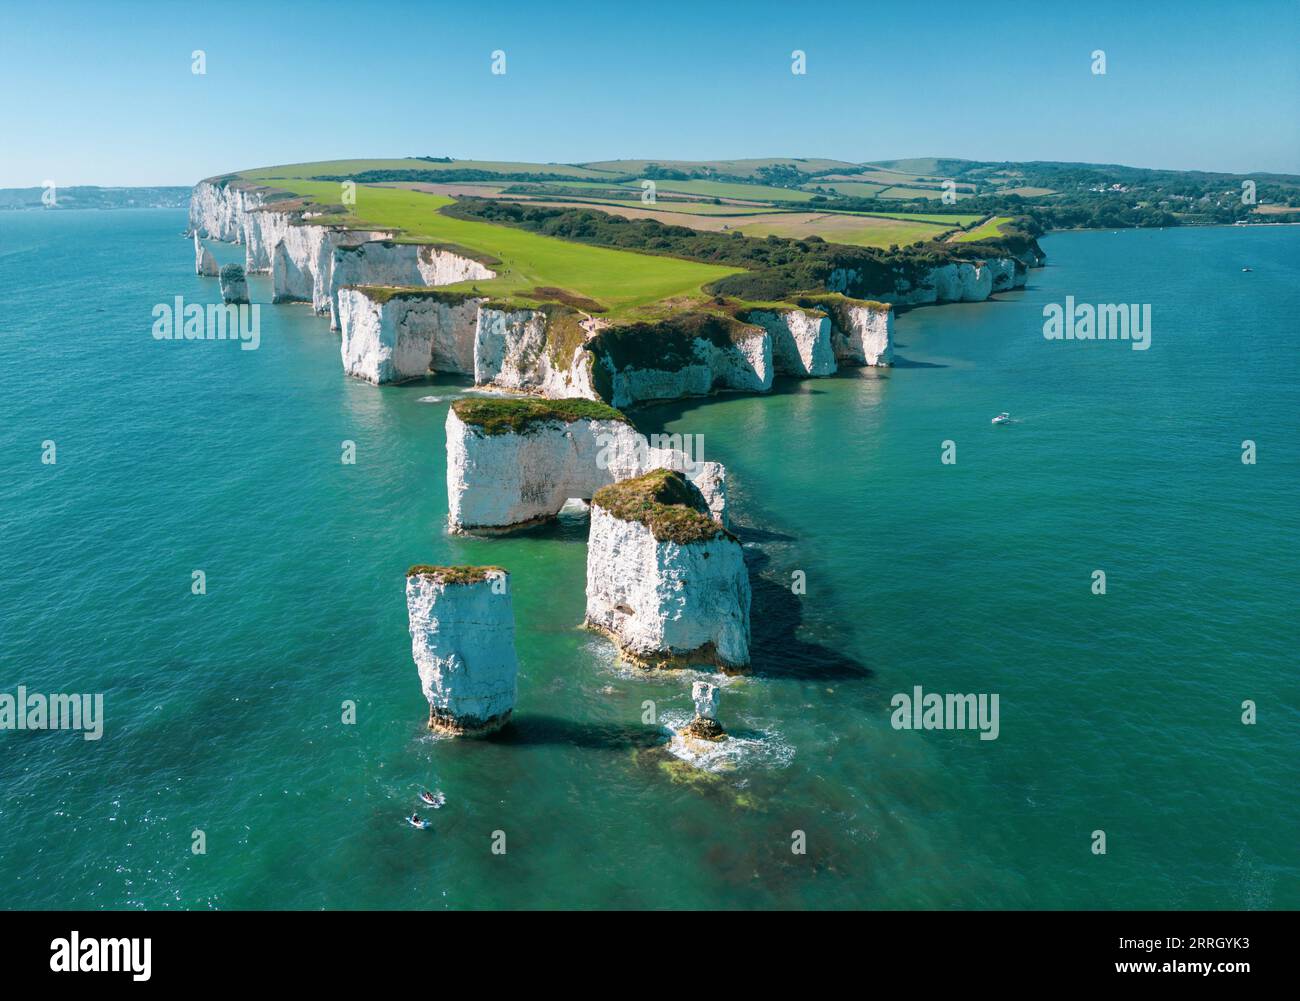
(1002, 418)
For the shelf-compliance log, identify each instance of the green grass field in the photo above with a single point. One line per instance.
(934, 193)
(948, 221)
(308, 170)
(735, 168)
(985, 231)
(622, 281)
(727, 189)
(851, 189)
(855, 230)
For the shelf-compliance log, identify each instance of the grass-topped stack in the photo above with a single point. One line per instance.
(463, 642)
(664, 581)
(515, 461)
(234, 286)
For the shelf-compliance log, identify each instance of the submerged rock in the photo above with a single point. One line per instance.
(234, 286)
(665, 581)
(463, 643)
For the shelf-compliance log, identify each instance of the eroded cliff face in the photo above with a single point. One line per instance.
(463, 643)
(801, 340)
(667, 604)
(388, 263)
(972, 280)
(395, 337)
(217, 210)
(687, 355)
(533, 351)
(863, 333)
(503, 480)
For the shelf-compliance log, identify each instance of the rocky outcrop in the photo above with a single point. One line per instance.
(514, 462)
(664, 581)
(705, 725)
(463, 642)
(395, 335)
(234, 286)
(801, 340)
(205, 264)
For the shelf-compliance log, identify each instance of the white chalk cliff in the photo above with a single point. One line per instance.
(670, 595)
(390, 336)
(525, 350)
(501, 479)
(863, 333)
(389, 263)
(801, 340)
(691, 364)
(463, 642)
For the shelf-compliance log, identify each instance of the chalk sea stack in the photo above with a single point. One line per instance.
(705, 725)
(516, 461)
(664, 580)
(205, 264)
(234, 286)
(463, 642)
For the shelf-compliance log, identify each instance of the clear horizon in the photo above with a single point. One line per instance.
(117, 104)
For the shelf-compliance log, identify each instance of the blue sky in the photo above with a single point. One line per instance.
(104, 94)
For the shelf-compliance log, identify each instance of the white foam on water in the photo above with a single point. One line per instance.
(759, 747)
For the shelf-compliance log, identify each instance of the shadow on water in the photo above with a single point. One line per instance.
(750, 534)
(775, 649)
(538, 729)
(900, 362)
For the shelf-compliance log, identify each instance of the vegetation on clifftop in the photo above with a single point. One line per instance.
(517, 415)
(666, 502)
(457, 574)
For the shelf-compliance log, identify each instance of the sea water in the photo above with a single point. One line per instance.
(223, 711)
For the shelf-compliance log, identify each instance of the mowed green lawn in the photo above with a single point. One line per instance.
(620, 280)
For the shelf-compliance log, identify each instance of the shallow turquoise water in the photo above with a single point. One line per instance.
(1118, 712)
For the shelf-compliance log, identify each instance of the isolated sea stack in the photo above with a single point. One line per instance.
(705, 725)
(664, 580)
(463, 642)
(234, 286)
(205, 264)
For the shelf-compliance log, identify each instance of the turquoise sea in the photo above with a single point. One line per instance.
(1119, 713)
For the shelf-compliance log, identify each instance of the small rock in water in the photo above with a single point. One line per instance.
(705, 725)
